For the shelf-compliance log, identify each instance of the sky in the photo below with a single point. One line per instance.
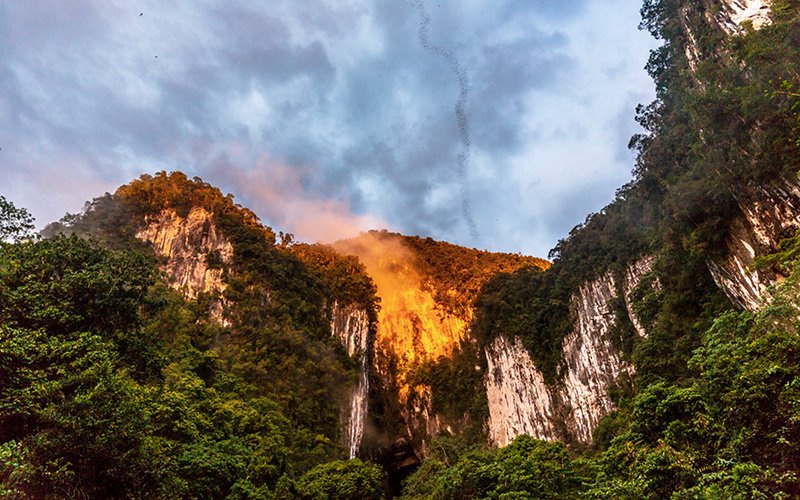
(492, 124)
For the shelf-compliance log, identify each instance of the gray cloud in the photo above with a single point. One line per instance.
(92, 94)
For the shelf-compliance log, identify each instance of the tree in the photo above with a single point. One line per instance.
(15, 223)
(342, 479)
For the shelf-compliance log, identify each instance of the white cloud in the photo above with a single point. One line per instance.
(341, 88)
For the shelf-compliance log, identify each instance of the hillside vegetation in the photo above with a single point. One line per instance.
(114, 385)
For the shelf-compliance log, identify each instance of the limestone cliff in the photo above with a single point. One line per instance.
(426, 289)
(735, 13)
(194, 249)
(412, 328)
(769, 214)
(732, 17)
(521, 402)
(350, 324)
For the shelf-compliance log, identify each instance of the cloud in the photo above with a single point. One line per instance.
(342, 93)
(279, 194)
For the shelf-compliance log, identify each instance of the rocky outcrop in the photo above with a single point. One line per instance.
(593, 364)
(521, 402)
(735, 13)
(413, 329)
(729, 16)
(769, 214)
(633, 276)
(195, 250)
(351, 325)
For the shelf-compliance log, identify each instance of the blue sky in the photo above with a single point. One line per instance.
(327, 117)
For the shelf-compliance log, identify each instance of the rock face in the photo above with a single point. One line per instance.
(191, 245)
(735, 13)
(521, 402)
(351, 325)
(770, 214)
(412, 328)
(730, 16)
(196, 252)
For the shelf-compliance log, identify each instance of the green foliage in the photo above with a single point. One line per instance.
(149, 195)
(66, 285)
(732, 432)
(70, 284)
(530, 304)
(342, 480)
(16, 224)
(111, 385)
(457, 389)
(74, 419)
(69, 337)
(784, 258)
(107, 219)
(343, 277)
(279, 336)
(527, 468)
(455, 275)
(646, 299)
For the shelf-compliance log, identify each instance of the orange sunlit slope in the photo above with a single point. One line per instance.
(413, 323)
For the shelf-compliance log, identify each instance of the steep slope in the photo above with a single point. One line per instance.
(729, 196)
(195, 249)
(280, 309)
(664, 335)
(672, 311)
(522, 402)
(426, 290)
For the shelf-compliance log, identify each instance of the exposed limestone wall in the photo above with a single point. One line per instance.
(186, 243)
(770, 214)
(412, 328)
(520, 402)
(593, 364)
(735, 13)
(633, 275)
(730, 16)
(350, 324)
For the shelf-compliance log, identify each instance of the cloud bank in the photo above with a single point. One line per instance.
(304, 109)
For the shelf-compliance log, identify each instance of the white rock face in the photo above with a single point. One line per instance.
(771, 213)
(519, 399)
(186, 243)
(736, 12)
(728, 15)
(691, 49)
(521, 402)
(633, 275)
(350, 324)
(593, 363)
